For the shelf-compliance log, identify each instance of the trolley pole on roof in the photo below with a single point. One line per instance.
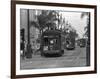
(29, 49)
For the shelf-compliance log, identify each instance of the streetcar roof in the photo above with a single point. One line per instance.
(52, 32)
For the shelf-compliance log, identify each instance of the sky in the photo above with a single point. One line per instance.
(78, 23)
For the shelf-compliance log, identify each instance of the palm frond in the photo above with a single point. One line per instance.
(84, 14)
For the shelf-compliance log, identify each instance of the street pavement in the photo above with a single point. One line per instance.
(71, 58)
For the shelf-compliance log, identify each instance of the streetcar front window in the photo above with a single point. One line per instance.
(53, 41)
(46, 41)
(45, 48)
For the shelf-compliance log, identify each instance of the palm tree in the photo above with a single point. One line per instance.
(45, 19)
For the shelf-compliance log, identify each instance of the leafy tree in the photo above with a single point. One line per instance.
(87, 28)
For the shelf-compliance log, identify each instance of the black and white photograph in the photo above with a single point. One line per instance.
(54, 39)
(51, 39)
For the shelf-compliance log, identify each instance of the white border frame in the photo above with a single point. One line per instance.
(56, 70)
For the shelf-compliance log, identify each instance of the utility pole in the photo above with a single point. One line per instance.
(29, 49)
(88, 42)
(58, 20)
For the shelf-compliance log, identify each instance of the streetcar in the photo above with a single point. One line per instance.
(82, 42)
(51, 43)
(70, 41)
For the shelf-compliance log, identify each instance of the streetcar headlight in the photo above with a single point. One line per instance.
(45, 47)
